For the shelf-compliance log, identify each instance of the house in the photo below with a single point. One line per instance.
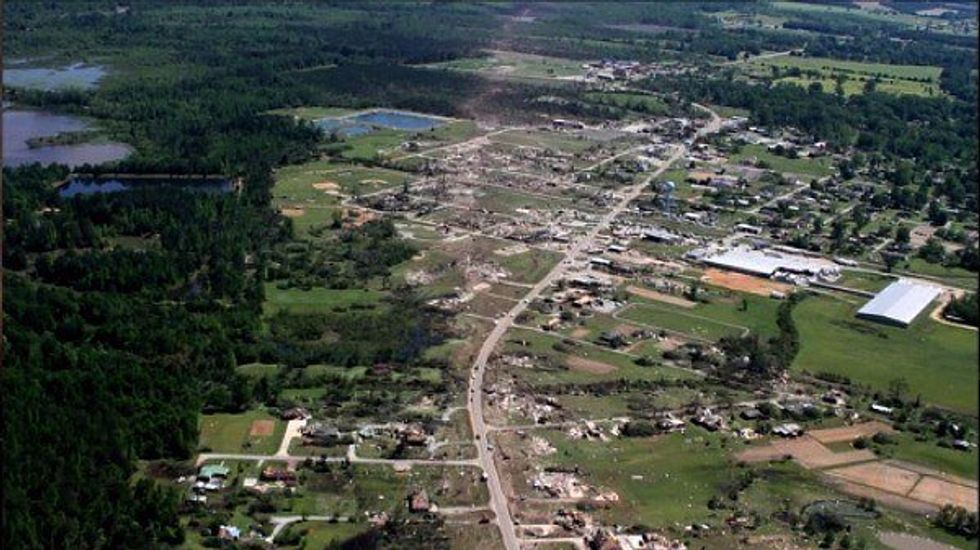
(211, 477)
(278, 474)
(751, 414)
(418, 501)
(881, 409)
(413, 434)
(709, 420)
(320, 434)
(229, 532)
(670, 424)
(295, 413)
(788, 430)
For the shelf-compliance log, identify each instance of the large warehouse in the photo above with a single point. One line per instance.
(899, 303)
(767, 263)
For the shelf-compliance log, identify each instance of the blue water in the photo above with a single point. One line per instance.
(365, 123)
(79, 75)
(20, 126)
(84, 185)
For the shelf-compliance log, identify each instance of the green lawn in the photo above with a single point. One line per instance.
(673, 319)
(824, 64)
(819, 167)
(956, 276)
(514, 64)
(680, 473)
(546, 140)
(258, 370)
(855, 85)
(927, 453)
(872, 282)
(229, 433)
(320, 534)
(938, 361)
(722, 315)
(316, 300)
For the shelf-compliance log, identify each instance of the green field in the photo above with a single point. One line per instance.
(855, 85)
(637, 102)
(320, 534)
(721, 315)
(515, 65)
(546, 140)
(927, 453)
(315, 300)
(229, 433)
(956, 276)
(541, 345)
(313, 112)
(936, 360)
(818, 167)
(823, 64)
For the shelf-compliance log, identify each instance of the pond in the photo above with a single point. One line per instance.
(78, 75)
(367, 122)
(21, 126)
(89, 185)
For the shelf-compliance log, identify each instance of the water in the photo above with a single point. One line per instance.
(89, 185)
(20, 126)
(365, 123)
(79, 75)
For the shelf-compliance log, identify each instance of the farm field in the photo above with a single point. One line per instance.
(855, 85)
(720, 315)
(883, 70)
(254, 431)
(936, 360)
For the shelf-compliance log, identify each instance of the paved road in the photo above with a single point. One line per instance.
(498, 500)
(351, 456)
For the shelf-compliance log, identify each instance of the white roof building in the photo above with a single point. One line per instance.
(899, 303)
(766, 262)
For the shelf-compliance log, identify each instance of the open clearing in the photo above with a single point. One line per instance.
(661, 297)
(262, 428)
(588, 365)
(246, 432)
(744, 283)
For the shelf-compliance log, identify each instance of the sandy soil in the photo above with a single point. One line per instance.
(806, 450)
(905, 541)
(937, 491)
(744, 283)
(880, 476)
(850, 433)
(587, 365)
(660, 296)
(262, 428)
(326, 186)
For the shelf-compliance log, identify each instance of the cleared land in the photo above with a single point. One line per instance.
(253, 431)
(744, 283)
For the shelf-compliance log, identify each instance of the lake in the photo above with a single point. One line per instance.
(78, 75)
(89, 185)
(364, 123)
(20, 126)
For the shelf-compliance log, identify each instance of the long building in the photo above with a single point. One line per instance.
(766, 263)
(899, 303)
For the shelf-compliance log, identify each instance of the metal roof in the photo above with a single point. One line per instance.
(767, 263)
(900, 302)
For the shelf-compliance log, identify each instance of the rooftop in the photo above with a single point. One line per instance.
(900, 302)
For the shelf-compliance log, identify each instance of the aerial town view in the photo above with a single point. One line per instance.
(472, 275)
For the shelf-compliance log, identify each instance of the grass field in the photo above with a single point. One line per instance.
(827, 65)
(642, 102)
(541, 345)
(516, 65)
(680, 473)
(313, 112)
(320, 534)
(956, 276)
(229, 433)
(718, 315)
(936, 360)
(545, 140)
(860, 280)
(295, 300)
(258, 370)
(673, 319)
(927, 453)
(821, 166)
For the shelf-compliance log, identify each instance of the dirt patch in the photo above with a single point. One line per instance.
(660, 297)
(883, 497)
(807, 451)
(880, 476)
(262, 428)
(357, 218)
(326, 186)
(625, 329)
(587, 365)
(511, 250)
(905, 541)
(937, 491)
(850, 433)
(293, 212)
(580, 332)
(744, 283)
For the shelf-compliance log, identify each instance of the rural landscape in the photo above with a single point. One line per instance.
(521, 275)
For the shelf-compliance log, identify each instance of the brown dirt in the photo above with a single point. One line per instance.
(361, 217)
(880, 476)
(262, 428)
(850, 433)
(882, 497)
(744, 283)
(326, 186)
(806, 450)
(939, 492)
(905, 541)
(626, 329)
(660, 296)
(587, 365)
(293, 212)
(580, 332)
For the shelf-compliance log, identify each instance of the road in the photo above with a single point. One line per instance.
(351, 456)
(498, 500)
